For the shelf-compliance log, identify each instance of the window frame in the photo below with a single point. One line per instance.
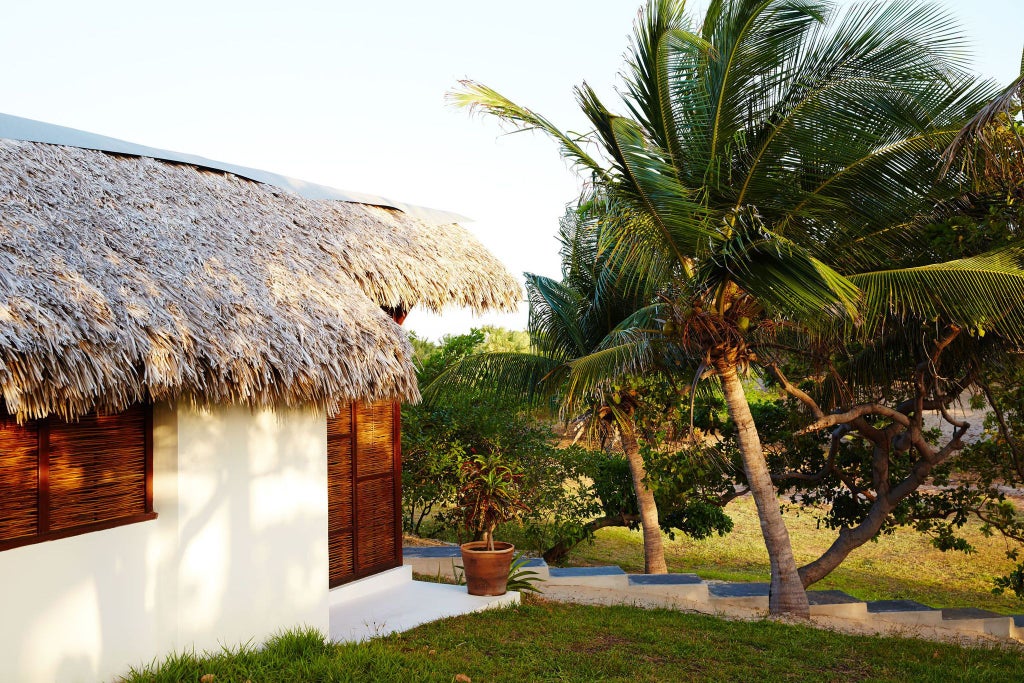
(43, 531)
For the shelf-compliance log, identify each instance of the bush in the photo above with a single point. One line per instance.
(438, 439)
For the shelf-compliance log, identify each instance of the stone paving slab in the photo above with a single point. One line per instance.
(738, 590)
(904, 612)
(595, 577)
(688, 588)
(432, 551)
(750, 596)
(831, 598)
(577, 572)
(881, 606)
(663, 579)
(968, 613)
(978, 620)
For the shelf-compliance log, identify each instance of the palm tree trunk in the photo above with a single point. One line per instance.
(654, 552)
(786, 595)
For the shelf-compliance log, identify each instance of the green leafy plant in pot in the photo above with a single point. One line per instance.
(489, 495)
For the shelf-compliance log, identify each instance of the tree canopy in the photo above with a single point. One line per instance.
(773, 172)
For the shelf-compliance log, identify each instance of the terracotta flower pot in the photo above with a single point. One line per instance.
(487, 570)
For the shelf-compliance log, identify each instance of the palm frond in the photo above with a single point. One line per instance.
(587, 373)
(752, 40)
(981, 294)
(685, 103)
(525, 377)
(663, 47)
(555, 317)
(672, 208)
(781, 275)
(478, 97)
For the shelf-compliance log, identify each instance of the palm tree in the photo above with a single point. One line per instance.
(773, 170)
(572, 319)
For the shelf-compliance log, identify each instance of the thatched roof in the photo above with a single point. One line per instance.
(401, 262)
(30, 130)
(124, 278)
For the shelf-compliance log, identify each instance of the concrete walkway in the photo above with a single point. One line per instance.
(829, 608)
(392, 601)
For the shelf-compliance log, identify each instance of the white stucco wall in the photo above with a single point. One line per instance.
(238, 552)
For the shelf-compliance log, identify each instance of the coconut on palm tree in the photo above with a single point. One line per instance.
(772, 168)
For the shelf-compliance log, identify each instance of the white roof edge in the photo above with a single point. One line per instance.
(29, 130)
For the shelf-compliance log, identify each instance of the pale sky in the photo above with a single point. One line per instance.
(351, 94)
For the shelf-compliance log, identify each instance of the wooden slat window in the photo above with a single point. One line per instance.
(341, 547)
(19, 479)
(374, 440)
(364, 491)
(59, 479)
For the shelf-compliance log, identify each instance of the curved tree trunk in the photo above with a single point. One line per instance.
(787, 594)
(654, 552)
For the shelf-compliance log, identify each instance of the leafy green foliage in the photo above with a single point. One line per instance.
(520, 577)
(440, 437)
(990, 472)
(489, 493)
(691, 492)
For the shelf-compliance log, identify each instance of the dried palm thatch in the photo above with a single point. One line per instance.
(401, 262)
(126, 278)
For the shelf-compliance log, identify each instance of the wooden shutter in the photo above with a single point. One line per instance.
(340, 497)
(97, 468)
(19, 479)
(364, 494)
(375, 486)
(62, 478)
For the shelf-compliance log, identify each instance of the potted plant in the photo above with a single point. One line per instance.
(489, 494)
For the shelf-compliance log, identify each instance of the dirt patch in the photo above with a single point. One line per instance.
(602, 644)
(418, 542)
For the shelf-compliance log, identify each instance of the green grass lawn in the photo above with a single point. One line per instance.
(902, 565)
(542, 641)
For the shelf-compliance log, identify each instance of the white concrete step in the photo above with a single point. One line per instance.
(391, 601)
(970, 619)
(592, 577)
(1017, 632)
(833, 603)
(904, 612)
(683, 587)
(754, 596)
